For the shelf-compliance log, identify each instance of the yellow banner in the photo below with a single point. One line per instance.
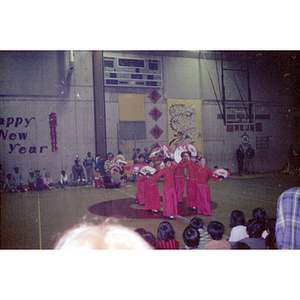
(185, 123)
(132, 107)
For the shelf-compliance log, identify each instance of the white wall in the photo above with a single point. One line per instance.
(38, 76)
(33, 88)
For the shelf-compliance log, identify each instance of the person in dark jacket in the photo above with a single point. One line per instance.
(240, 156)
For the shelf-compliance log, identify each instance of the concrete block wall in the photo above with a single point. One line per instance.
(194, 78)
(33, 85)
(112, 121)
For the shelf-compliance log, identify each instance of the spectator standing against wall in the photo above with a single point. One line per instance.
(88, 164)
(135, 156)
(146, 155)
(249, 155)
(78, 172)
(99, 164)
(240, 156)
(120, 155)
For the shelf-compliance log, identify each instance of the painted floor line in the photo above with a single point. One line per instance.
(40, 225)
(125, 193)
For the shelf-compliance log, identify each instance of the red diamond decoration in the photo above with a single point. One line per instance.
(154, 96)
(156, 131)
(155, 113)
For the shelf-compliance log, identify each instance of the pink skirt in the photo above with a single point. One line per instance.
(203, 200)
(152, 197)
(170, 204)
(141, 191)
(191, 193)
(179, 187)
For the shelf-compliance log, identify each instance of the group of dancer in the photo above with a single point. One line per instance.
(197, 188)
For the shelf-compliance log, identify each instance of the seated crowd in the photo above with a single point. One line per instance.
(90, 173)
(15, 183)
(35, 182)
(257, 233)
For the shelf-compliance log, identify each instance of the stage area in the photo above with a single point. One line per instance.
(33, 220)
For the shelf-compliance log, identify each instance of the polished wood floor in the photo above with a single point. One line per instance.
(33, 220)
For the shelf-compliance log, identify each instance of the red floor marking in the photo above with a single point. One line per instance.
(122, 208)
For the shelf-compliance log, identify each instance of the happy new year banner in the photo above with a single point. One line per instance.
(185, 123)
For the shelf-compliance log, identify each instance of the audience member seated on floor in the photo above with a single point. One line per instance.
(78, 172)
(147, 236)
(191, 238)
(31, 181)
(166, 237)
(259, 215)
(271, 242)
(287, 226)
(198, 224)
(18, 179)
(38, 183)
(255, 240)
(9, 184)
(48, 181)
(109, 159)
(271, 226)
(271, 239)
(215, 230)
(98, 181)
(238, 225)
(63, 179)
(104, 236)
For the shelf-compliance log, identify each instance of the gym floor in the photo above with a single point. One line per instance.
(33, 220)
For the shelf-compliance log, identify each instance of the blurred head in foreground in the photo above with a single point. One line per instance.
(104, 236)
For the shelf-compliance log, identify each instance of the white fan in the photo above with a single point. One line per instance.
(147, 169)
(221, 173)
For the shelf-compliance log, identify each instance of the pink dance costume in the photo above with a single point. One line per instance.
(152, 195)
(170, 206)
(203, 190)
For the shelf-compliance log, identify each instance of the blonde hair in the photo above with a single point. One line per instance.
(106, 236)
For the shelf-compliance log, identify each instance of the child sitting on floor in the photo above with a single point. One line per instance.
(255, 240)
(238, 225)
(215, 230)
(18, 179)
(198, 224)
(166, 237)
(191, 238)
(31, 181)
(39, 183)
(98, 182)
(48, 181)
(63, 179)
(9, 184)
